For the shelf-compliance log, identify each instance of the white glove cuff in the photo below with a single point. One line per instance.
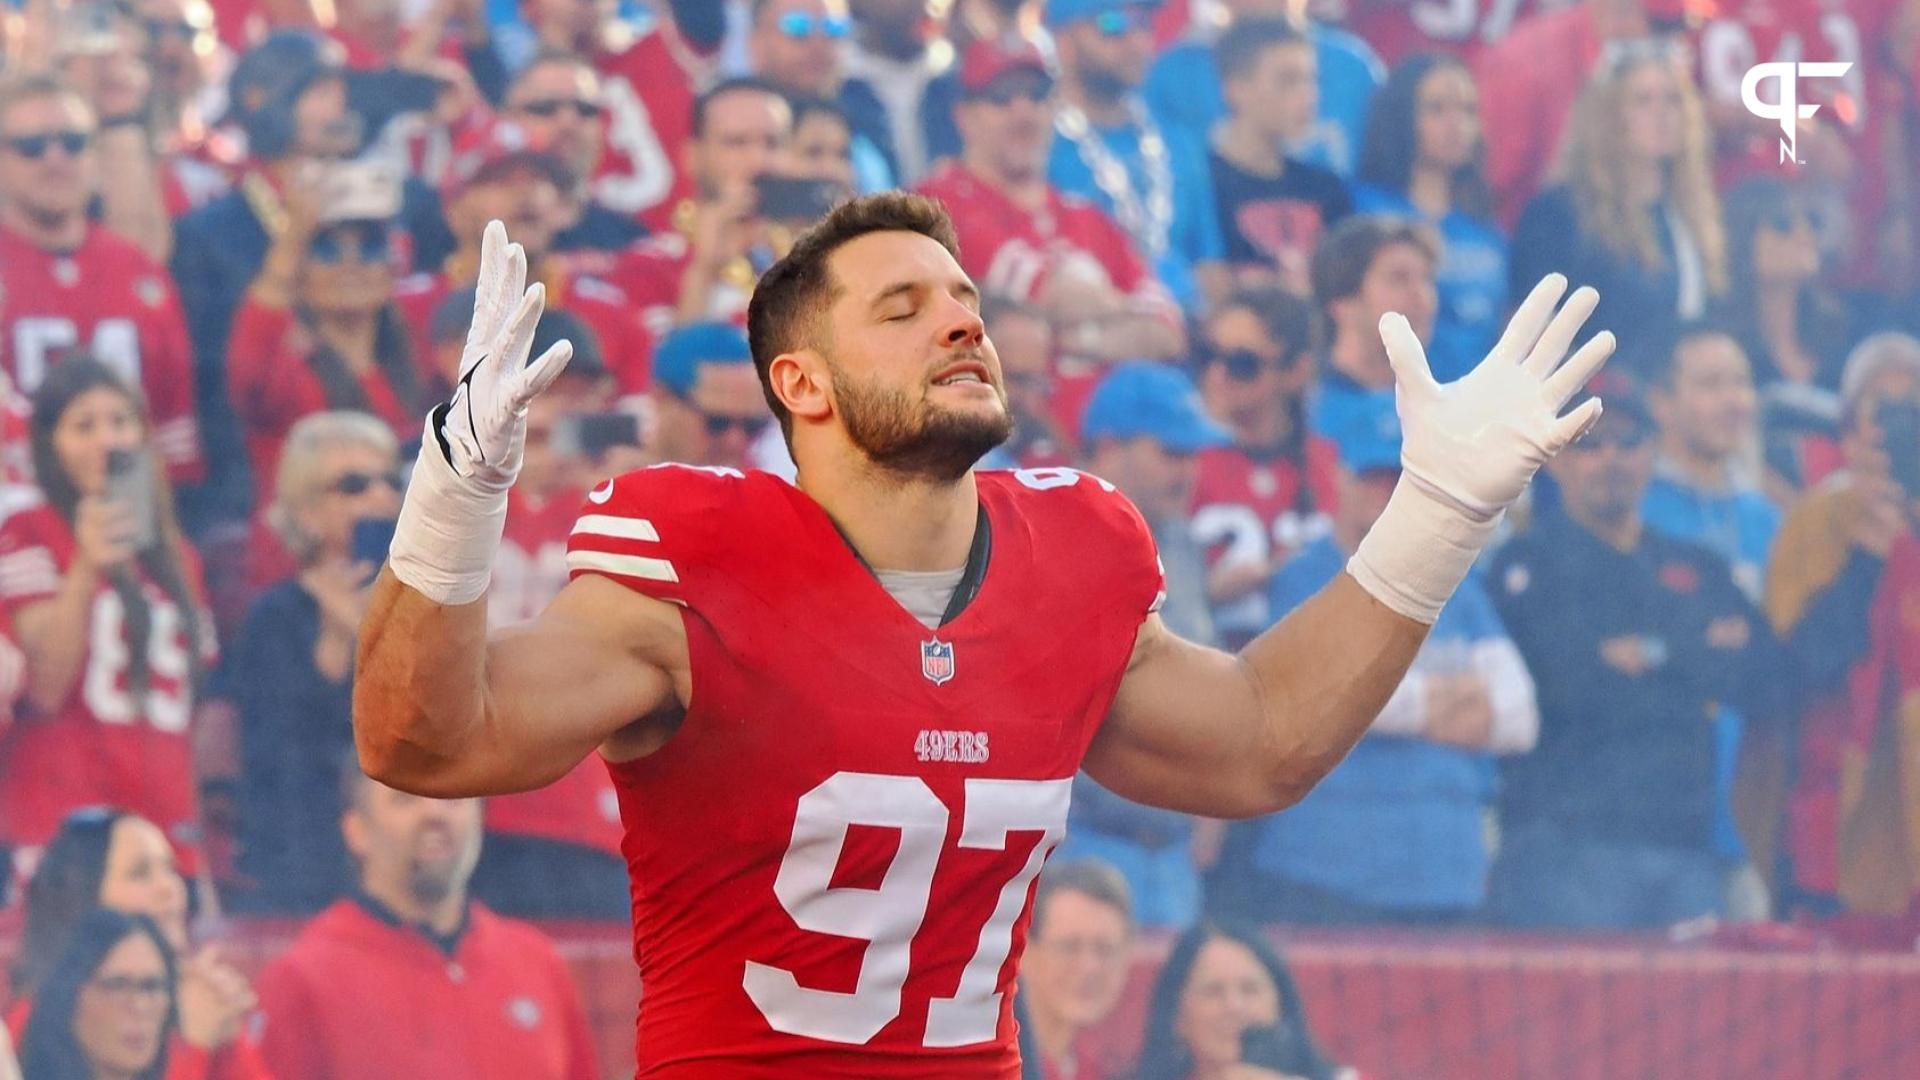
(449, 530)
(1418, 552)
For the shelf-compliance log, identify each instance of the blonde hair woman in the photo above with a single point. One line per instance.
(1634, 212)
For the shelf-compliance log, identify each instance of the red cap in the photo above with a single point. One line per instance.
(986, 61)
(495, 151)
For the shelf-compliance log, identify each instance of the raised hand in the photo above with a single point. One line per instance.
(1475, 443)
(484, 428)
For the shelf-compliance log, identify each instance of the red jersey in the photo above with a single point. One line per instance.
(358, 997)
(833, 859)
(650, 272)
(101, 747)
(648, 92)
(1742, 33)
(1260, 510)
(109, 297)
(272, 386)
(606, 310)
(1398, 28)
(529, 571)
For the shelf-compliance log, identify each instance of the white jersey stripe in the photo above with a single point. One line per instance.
(627, 565)
(623, 528)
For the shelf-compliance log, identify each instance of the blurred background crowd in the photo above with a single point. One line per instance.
(238, 240)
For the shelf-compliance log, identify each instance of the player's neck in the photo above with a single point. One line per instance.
(62, 233)
(896, 525)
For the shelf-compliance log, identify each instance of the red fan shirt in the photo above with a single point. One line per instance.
(648, 93)
(1260, 510)
(109, 297)
(606, 310)
(833, 858)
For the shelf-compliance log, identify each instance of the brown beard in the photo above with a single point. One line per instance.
(915, 443)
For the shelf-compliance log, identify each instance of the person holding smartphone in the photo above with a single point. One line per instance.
(1844, 570)
(106, 596)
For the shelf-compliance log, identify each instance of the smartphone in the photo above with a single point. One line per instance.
(1899, 423)
(591, 435)
(372, 537)
(796, 198)
(130, 484)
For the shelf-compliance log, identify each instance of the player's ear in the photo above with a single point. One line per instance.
(802, 383)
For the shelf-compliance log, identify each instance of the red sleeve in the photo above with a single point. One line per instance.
(287, 1047)
(240, 1060)
(169, 385)
(257, 350)
(186, 1061)
(645, 530)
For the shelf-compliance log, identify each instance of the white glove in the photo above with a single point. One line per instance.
(456, 504)
(1469, 448)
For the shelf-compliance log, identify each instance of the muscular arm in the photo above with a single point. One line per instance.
(442, 708)
(1224, 735)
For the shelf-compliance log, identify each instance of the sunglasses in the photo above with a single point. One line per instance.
(358, 483)
(800, 26)
(180, 28)
(35, 147)
(370, 243)
(548, 108)
(718, 427)
(1008, 91)
(1244, 365)
(1120, 22)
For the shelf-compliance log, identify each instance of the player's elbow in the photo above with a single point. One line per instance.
(392, 750)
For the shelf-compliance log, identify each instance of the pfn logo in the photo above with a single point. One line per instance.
(1789, 111)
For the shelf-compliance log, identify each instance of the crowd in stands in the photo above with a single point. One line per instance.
(238, 246)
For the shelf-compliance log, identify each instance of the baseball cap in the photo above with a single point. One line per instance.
(498, 150)
(1625, 400)
(987, 60)
(358, 191)
(1062, 12)
(677, 359)
(280, 68)
(1141, 397)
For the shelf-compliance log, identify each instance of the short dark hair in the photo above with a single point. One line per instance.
(1287, 317)
(795, 291)
(1666, 359)
(1246, 41)
(1347, 252)
(1095, 879)
(703, 104)
(805, 105)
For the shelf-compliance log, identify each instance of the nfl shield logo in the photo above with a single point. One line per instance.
(936, 660)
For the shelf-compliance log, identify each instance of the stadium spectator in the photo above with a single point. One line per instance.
(1367, 267)
(708, 407)
(319, 328)
(822, 144)
(1144, 425)
(799, 47)
(1401, 30)
(1183, 86)
(650, 83)
(108, 1006)
(1396, 834)
(1225, 1007)
(560, 104)
(72, 286)
(186, 58)
(114, 861)
(410, 978)
(1634, 212)
(1704, 491)
(1530, 80)
(290, 672)
(703, 266)
(289, 95)
(1635, 641)
(1273, 208)
(506, 177)
(1079, 949)
(1793, 326)
(1841, 576)
(1023, 337)
(553, 852)
(1422, 160)
(105, 594)
(1108, 148)
(1257, 501)
(896, 58)
(1022, 237)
